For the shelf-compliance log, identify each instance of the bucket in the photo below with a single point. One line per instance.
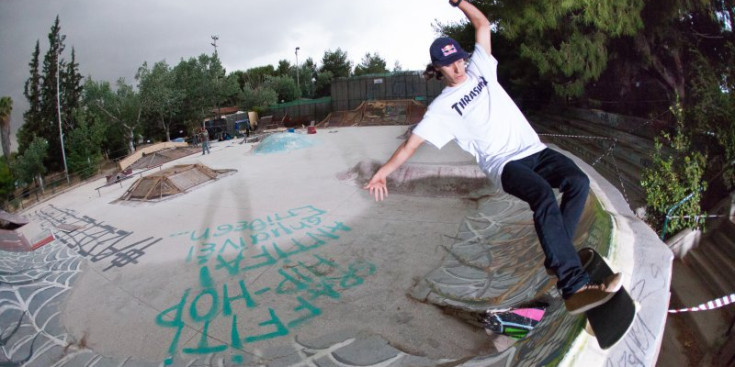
(311, 130)
(291, 130)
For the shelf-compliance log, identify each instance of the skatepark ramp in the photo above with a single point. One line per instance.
(140, 153)
(19, 234)
(395, 112)
(496, 264)
(171, 181)
(339, 279)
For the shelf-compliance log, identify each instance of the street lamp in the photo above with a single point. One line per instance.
(216, 85)
(297, 67)
(58, 113)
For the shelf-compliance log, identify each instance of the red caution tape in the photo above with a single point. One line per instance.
(711, 305)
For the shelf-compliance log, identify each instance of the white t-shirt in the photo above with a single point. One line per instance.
(482, 118)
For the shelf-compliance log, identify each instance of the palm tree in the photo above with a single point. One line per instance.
(6, 107)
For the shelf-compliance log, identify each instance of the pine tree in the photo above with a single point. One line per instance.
(49, 124)
(32, 92)
(56, 79)
(371, 64)
(567, 40)
(71, 92)
(337, 63)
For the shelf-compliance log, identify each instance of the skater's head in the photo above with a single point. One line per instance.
(444, 51)
(448, 61)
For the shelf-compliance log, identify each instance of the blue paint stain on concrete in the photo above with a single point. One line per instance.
(284, 142)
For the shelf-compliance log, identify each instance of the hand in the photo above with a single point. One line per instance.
(378, 187)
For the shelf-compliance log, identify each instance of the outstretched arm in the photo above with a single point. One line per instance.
(479, 21)
(378, 184)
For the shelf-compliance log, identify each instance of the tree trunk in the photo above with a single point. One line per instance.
(672, 77)
(130, 137)
(39, 180)
(165, 128)
(131, 143)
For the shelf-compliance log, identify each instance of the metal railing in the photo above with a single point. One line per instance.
(54, 184)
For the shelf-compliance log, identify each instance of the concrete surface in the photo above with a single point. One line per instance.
(286, 262)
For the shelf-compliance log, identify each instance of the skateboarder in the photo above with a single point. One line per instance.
(477, 113)
(205, 141)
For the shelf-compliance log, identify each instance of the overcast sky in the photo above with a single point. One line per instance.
(112, 38)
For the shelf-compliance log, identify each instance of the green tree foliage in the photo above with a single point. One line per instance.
(221, 90)
(7, 181)
(30, 166)
(337, 63)
(675, 176)
(285, 69)
(601, 53)
(41, 90)
(259, 99)
(567, 41)
(203, 85)
(713, 109)
(58, 83)
(371, 64)
(255, 94)
(72, 85)
(230, 93)
(120, 109)
(285, 88)
(323, 84)
(255, 77)
(6, 108)
(308, 75)
(85, 144)
(650, 69)
(53, 64)
(160, 97)
(32, 91)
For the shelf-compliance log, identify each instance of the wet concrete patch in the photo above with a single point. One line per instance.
(431, 180)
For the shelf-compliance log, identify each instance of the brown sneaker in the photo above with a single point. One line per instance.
(594, 294)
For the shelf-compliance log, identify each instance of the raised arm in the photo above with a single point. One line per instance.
(478, 20)
(378, 184)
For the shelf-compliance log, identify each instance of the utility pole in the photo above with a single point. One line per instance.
(297, 68)
(216, 80)
(214, 43)
(58, 113)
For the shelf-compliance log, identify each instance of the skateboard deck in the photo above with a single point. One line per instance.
(611, 320)
(516, 323)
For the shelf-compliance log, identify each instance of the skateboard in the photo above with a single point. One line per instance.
(612, 320)
(515, 323)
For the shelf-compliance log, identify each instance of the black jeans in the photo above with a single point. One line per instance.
(532, 179)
